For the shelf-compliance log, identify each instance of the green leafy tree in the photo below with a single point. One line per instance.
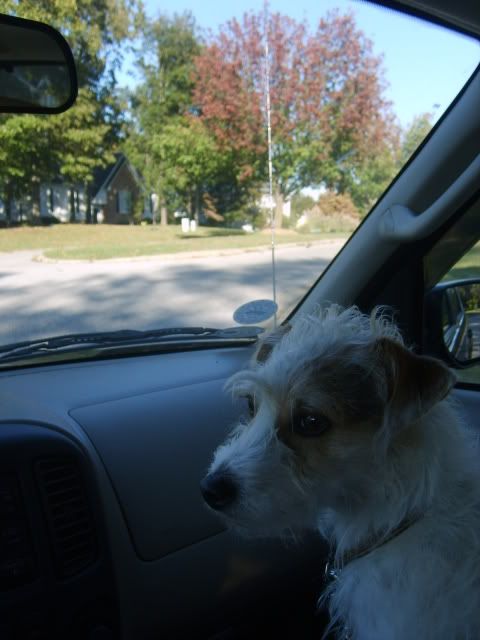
(368, 178)
(300, 203)
(414, 135)
(72, 144)
(21, 162)
(188, 158)
(172, 151)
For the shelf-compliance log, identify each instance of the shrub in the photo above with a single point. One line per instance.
(337, 204)
(333, 213)
(300, 204)
(249, 213)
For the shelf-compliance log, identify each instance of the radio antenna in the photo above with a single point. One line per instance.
(270, 157)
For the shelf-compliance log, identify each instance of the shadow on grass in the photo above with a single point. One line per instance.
(214, 233)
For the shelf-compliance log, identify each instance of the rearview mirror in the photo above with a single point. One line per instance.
(453, 321)
(37, 71)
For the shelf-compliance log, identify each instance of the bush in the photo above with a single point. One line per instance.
(337, 204)
(300, 204)
(249, 213)
(333, 213)
(329, 224)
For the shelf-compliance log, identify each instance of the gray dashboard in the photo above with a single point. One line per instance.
(144, 429)
(141, 431)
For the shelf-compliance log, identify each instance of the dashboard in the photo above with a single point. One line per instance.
(104, 531)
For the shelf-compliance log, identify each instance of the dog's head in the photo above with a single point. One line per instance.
(325, 398)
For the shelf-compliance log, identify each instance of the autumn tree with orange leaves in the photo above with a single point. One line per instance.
(330, 120)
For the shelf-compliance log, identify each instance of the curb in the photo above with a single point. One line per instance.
(191, 255)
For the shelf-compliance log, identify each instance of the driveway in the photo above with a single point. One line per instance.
(41, 299)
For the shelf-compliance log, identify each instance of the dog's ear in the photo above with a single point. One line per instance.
(267, 344)
(414, 383)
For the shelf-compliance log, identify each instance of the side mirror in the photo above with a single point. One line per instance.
(37, 71)
(452, 328)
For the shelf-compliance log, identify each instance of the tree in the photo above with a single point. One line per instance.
(187, 159)
(414, 135)
(370, 177)
(173, 153)
(328, 110)
(300, 203)
(25, 158)
(71, 144)
(366, 180)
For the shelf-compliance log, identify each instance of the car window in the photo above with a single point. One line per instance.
(215, 155)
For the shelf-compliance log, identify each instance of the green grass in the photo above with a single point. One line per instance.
(100, 242)
(467, 267)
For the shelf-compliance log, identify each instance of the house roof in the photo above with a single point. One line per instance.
(102, 178)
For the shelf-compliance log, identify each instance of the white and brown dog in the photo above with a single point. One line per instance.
(351, 434)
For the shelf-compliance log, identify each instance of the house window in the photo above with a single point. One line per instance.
(124, 202)
(49, 200)
(76, 201)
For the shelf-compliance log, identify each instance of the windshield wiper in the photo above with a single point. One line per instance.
(127, 337)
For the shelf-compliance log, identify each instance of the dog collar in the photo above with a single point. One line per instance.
(332, 570)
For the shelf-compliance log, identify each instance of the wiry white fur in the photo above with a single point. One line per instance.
(424, 583)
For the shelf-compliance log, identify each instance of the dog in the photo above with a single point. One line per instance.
(352, 434)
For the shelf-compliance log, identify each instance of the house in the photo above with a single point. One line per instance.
(116, 191)
(64, 202)
(114, 194)
(267, 204)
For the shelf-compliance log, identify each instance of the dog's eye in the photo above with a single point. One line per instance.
(251, 405)
(310, 424)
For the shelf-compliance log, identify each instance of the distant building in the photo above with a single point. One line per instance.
(113, 192)
(62, 201)
(267, 203)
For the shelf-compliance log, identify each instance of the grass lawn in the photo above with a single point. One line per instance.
(99, 242)
(467, 267)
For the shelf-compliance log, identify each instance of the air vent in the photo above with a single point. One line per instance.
(68, 514)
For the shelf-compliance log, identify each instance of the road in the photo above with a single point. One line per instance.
(41, 299)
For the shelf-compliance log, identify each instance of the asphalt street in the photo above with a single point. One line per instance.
(42, 299)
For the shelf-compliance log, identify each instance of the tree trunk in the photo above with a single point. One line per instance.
(197, 205)
(73, 217)
(192, 205)
(163, 215)
(88, 212)
(35, 198)
(8, 205)
(279, 202)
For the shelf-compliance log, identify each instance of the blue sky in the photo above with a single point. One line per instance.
(425, 65)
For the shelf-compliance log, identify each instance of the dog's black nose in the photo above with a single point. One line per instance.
(218, 490)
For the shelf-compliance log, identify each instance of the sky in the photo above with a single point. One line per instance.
(425, 65)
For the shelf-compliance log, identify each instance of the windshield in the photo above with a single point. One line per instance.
(203, 135)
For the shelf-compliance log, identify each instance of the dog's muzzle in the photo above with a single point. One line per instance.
(219, 490)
